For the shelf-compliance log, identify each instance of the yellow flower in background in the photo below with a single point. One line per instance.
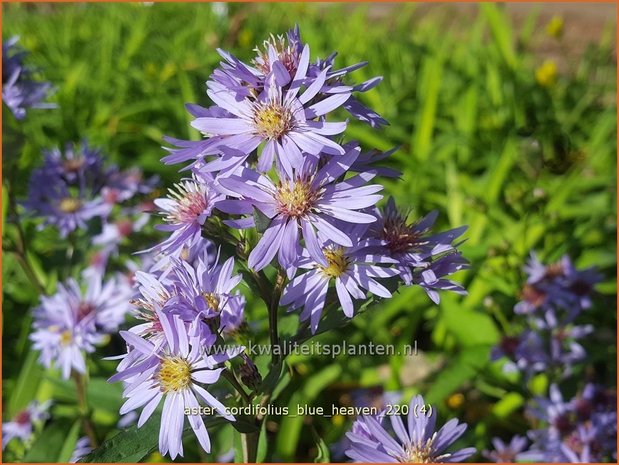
(554, 28)
(546, 74)
(455, 401)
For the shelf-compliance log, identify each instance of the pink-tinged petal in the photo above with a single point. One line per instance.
(222, 126)
(313, 245)
(196, 422)
(207, 376)
(344, 297)
(330, 231)
(137, 342)
(149, 409)
(325, 106)
(268, 245)
(210, 400)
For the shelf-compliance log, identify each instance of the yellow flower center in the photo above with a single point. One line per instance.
(66, 337)
(70, 205)
(211, 300)
(296, 199)
(337, 263)
(272, 121)
(174, 374)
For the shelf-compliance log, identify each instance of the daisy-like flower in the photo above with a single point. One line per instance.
(175, 372)
(285, 121)
(22, 425)
(185, 210)
(311, 203)
(206, 292)
(19, 90)
(418, 442)
(61, 207)
(558, 285)
(71, 322)
(353, 270)
(423, 258)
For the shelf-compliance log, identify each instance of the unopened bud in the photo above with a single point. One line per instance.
(250, 376)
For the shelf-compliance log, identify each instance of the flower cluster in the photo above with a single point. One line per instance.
(72, 321)
(74, 186)
(23, 424)
(187, 306)
(583, 429)
(19, 90)
(373, 441)
(553, 297)
(274, 183)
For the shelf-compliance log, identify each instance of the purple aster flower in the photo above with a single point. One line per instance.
(185, 212)
(583, 429)
(557, 286)
(22, 425)
(154, 293)
(353, 270)
(416, 442)
(66, 190)
(506, 452)
(311, 202)
(19, 90)
(206, 292)
(279, 117)
(121, 186)
(115, 232)
(174, 372)
(71, 322)
(82, 449)
(423, 258)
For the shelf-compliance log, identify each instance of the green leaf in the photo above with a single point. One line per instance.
(54, 442)
(134, 444)
(261, 220)
(323, 455)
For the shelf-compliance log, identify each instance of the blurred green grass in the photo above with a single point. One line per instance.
(526, 166)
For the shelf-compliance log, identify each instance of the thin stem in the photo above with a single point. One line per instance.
(249, 443)
(82, 403)
(273, 307)
(236, 385)
(20, 250)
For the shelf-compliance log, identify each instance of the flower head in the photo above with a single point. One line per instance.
(173, 372)
(312, 203)
(71, 322)
(417, 442)
(22, 425)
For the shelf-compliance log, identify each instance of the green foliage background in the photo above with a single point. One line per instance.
(525, 166)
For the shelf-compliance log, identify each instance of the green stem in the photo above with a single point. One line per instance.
(228, 375)
(82, 403)
(249, 443)
(273, 307)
